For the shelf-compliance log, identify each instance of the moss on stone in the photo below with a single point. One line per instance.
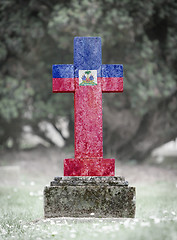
(80, 201)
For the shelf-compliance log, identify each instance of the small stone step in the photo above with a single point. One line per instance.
(85, 181)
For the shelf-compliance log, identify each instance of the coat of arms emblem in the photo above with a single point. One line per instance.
(87, 77)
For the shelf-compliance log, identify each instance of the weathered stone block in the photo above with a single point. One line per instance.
(89, 197)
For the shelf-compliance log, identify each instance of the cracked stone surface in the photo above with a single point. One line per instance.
(94, 197)
(84, 181)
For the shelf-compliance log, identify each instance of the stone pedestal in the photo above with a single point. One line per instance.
(89, 167)
(89, 197)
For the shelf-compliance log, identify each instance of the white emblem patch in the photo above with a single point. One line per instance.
(87, 77)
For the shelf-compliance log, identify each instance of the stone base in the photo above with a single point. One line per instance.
(89, 197)
(89, 167)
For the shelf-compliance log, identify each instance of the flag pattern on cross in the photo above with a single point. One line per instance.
(88, 78)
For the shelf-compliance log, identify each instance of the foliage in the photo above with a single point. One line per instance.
(36, 34)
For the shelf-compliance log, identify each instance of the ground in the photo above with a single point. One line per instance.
(24, 174)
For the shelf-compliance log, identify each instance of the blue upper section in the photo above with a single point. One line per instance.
(63, 71)
(87, 56)
(87, 53)
(112, 70)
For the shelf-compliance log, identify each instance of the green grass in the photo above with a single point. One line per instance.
(21, 216)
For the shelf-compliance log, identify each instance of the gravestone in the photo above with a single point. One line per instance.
(89, 186)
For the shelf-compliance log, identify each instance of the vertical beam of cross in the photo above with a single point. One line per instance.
(87, 78)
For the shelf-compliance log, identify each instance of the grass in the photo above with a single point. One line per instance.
(21, 202)
(21, 216)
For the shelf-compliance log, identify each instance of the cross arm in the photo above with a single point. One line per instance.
(112, 78)
(63, 78)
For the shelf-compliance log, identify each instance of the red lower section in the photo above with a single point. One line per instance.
(63, 85)
(89, 167)
(112, 84)
(88, 121)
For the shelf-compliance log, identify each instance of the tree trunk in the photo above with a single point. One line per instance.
(156, 127)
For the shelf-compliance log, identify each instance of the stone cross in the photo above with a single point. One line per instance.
(88, 78)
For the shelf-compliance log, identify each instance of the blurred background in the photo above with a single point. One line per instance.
(37, 126)
(141, 35)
